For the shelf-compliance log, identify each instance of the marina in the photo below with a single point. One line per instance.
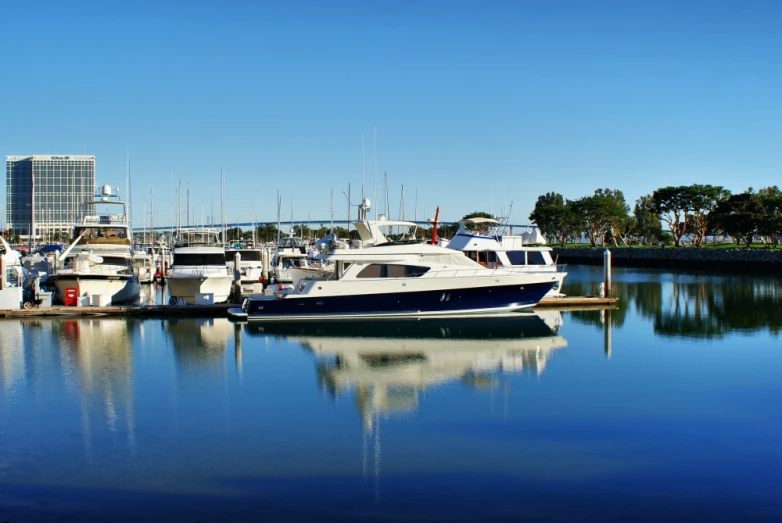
(181, 418)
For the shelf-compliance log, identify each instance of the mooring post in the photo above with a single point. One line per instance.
(265, 266)
(163, 266)
(237, 278)
(607, 273)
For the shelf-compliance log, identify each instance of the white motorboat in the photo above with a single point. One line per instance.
(144, 265)
(199, 267)
(400, 278)
(99, 261)
(480, 240)
(12, 261)
(250, 266)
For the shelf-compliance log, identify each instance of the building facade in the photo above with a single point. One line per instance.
(45, 193)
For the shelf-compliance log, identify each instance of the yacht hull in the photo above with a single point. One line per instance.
(122, 289)
(185, 287)
(422, 303)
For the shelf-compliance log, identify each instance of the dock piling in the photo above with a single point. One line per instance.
(237, 278)
(265, 265)
(607, 274)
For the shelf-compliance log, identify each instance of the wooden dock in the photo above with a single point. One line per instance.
(221, 310)
(128, 311)
(580, 302)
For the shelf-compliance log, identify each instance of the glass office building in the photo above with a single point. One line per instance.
(45, 193)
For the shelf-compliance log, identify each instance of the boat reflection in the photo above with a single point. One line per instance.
(388, 363)
(199, 343)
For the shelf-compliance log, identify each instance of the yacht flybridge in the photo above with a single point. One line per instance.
(99, 261)
(480, 240)
(399, 278)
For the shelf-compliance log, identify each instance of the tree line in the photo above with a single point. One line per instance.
(688, 211)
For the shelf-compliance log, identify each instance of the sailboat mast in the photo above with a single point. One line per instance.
(374, 161)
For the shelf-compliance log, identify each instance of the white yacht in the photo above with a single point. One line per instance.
(199, 267)
(99, 261)
(250, 266)
(400, 278)
(12, 261)
(480, 240)
(144, 265)
(284, 262)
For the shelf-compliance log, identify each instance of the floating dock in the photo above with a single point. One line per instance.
(221, 310)
(570, 302)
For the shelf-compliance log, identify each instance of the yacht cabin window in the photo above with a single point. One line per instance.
(517, 257)
(383, 270)
(199, 259)
(535, 258)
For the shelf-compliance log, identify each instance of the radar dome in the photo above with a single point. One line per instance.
(105, 190)
(366, 203)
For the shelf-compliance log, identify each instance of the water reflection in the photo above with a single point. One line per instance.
(699, 305)
(199, 343)
(389, 363)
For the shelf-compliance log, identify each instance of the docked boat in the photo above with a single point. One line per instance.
(12, 261)
(99, 261)
(399, 278)
(144, 265)
(480, 240)
(250, 266)
(199, 267)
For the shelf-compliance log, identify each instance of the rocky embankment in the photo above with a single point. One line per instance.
(737, 260)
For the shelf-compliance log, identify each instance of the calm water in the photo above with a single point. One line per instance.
(669, 408)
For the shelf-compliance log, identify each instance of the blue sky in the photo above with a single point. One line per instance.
(475, 103)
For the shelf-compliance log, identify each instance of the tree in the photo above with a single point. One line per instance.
(549, 215)
(602, 213)
(617, 220)
(671, 205)
(771, 222)
(647, 226)
(739, 216)
(702, 200)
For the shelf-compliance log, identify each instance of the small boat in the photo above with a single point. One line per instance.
(199, 267)
(480, 240)
(396, 278)
(99, 261)
(12, 261)
(144, 265)
(250, 266)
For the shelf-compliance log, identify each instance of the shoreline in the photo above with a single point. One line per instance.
(734, 260)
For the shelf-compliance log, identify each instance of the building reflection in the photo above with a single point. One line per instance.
(199, 343)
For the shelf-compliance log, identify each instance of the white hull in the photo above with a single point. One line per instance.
(185, 287)
(120, 290)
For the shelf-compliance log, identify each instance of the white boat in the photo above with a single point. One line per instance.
(481, 241)
(199, 267)
(99, 261)
(12, 261)
(144, 265)
(250, 266)
(283, 262)
(400, 278)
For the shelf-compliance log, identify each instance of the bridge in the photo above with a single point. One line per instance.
(316, 224)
